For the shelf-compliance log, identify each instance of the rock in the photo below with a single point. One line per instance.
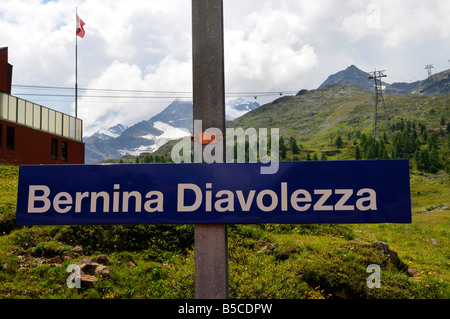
(101, 271)
(78, 249)
(101, 259)
(53, 260)
(84, 261)
(87, 267)
(412, 272)
(87, 280)
(91, 270)
(67, 255)
(391, 255)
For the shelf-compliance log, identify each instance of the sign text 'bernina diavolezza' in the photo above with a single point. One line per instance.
(300, 192)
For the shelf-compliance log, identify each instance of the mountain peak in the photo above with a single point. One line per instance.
(178, 114)
(109, 133)
(351, 75)
(352, 67)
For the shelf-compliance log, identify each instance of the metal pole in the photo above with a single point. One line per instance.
(211, 247)
(76, 65)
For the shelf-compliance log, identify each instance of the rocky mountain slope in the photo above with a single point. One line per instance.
(436, 84)
(174, 122)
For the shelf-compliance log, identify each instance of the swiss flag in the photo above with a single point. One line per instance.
(80, 30)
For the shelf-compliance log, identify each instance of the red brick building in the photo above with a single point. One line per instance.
(34, 134)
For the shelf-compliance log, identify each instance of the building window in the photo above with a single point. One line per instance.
(10, 137)
(54, 149)
(64, 147)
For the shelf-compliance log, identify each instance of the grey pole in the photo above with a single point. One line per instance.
(211, 247)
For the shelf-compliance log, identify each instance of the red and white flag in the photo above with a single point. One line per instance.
(79, 28)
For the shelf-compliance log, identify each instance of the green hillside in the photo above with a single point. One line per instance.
(317, 116)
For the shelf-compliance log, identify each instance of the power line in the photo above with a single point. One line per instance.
(92, 89)
(107, 96)
(40, 87)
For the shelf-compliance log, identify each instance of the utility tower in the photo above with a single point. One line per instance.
(379, 99)
(429, 67)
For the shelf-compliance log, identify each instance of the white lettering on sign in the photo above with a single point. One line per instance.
(300, 200)
(39, 201)
(33, 198)
(192, 197)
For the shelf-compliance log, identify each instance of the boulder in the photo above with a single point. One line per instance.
(87, 280)
(78, 249)
(87, 267)
(391, 255)
(67, 255)
(53, 260)
(93, 267)
(91, 270)
(101, 271)
(101, 259)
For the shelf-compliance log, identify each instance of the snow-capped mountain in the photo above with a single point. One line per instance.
(106, 134)
(174, 122)
(238, 107)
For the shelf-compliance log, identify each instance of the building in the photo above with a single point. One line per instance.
(5, 71)
(33, 134)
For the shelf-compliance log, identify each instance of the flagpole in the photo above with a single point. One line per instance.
(76, 66)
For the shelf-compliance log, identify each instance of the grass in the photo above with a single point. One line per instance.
(298, 265)
(429, 191)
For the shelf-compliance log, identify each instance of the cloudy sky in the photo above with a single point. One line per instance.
(270, 46)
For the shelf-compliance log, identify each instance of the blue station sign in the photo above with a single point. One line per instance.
(364, 191)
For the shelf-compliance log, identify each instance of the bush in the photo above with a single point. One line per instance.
(174, 238)
(311, 229)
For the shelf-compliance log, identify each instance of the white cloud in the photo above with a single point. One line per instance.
(396, 24)
(269, 51)
(38, 39)
(169, 75)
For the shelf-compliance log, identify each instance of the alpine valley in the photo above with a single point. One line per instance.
(342, 105)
